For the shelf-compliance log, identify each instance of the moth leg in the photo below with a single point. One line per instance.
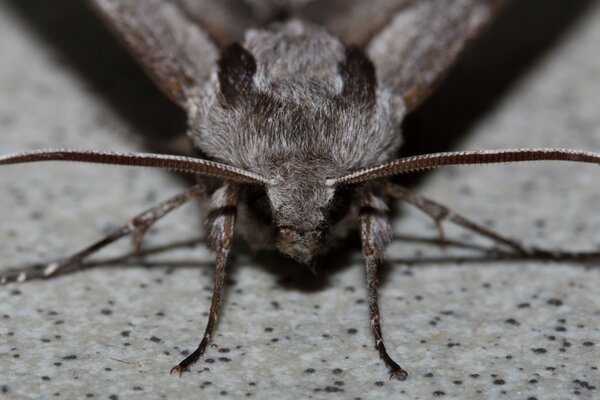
(141, 223)
(221, 225)
(440, 213)
(136, 226)
(375, 233)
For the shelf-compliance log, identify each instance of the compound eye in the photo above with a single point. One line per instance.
(259, 204)
(339, 205)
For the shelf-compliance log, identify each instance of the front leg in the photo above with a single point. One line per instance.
(220, 238)
(375, 234)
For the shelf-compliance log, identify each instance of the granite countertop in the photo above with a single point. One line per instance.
(463, 321)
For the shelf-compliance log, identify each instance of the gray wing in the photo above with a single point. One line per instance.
(411, 42)
(413, 52)
(176, 52)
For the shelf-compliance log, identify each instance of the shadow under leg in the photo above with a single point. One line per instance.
(136, 226)
(440, 213)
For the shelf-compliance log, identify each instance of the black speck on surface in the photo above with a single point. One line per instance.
(439, 393)
(539, 350)
(584, 384)
(309, 371)
(155, 339)
(499, 381)
(70, 357)
(337, 371)
(554, 302)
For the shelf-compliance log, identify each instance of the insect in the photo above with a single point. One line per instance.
(297, 120)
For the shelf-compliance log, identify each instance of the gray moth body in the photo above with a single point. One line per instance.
(295, 106)
(318, 96)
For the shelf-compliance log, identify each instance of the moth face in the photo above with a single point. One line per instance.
(301, 217)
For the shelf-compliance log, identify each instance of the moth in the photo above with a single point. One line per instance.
(295, 111)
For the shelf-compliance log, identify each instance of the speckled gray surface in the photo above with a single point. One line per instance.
(464, 324)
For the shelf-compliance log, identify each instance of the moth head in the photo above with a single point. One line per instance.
(300, 218)
(304, 211)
